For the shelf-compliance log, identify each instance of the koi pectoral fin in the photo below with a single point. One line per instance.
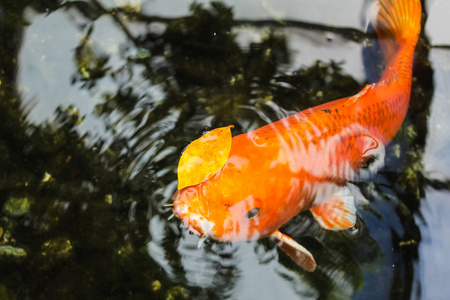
(295, 251)
(336, 213)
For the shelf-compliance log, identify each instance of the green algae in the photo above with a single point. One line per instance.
(8, 250)
(57, 248)
(17, 206)
(176, 293)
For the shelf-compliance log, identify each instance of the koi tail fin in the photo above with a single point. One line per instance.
(397, 23)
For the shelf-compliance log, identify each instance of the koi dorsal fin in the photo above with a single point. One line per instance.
(336, 213)
(397, 23)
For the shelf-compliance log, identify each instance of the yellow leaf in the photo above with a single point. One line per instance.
(204, 157)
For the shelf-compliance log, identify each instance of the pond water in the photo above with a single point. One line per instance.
(99, 98)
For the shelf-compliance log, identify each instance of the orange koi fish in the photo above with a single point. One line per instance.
(248, 186)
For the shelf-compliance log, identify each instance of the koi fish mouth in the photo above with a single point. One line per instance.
(195, 222)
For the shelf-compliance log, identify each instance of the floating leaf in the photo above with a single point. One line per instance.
(204, 157)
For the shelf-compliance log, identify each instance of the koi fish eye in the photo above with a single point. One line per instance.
(252, 213)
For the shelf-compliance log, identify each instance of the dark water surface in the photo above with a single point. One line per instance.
(99, 98)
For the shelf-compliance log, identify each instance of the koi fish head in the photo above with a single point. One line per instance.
(210, 212)
(224, 190)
